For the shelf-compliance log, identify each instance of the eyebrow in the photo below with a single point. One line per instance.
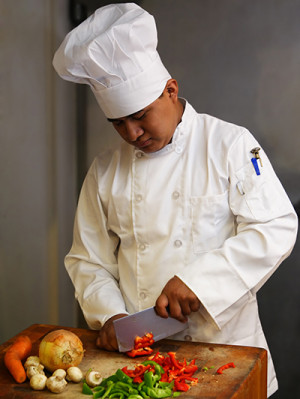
(128, 116)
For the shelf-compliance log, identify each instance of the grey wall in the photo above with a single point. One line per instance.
(37, 168)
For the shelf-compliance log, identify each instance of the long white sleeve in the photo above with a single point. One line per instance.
(92, 263)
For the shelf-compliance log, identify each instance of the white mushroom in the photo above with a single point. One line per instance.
(38, 382)
(93, 378)
(32, 361)
(60, 373)
(74, 374)
(56, 384)
(33, 370)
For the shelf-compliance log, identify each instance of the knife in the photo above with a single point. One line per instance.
(141, 323)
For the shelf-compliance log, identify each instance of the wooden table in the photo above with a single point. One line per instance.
(248, 380)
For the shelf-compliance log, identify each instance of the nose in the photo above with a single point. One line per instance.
(133, 130)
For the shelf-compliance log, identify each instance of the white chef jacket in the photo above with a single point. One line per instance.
(196, 209)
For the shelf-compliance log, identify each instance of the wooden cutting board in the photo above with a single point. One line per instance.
(248, 380)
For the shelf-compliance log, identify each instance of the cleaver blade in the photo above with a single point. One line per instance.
(141, 323)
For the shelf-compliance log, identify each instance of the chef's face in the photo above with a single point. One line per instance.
(152, 128)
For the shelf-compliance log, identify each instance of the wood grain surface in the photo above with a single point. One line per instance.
(248, 380)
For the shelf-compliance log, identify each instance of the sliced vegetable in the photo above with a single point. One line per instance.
(86, 390)
(140, 352)
(146, 340)
(158, 379)
(181, 386)
(123, 377)
(226, 366)
(142, 346)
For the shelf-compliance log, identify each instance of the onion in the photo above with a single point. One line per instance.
(60, 349)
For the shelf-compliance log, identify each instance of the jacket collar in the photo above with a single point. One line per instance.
(180, 135)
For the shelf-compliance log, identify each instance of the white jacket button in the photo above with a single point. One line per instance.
(175, 195)
(139, 197)
(142, 247)
(143, 295)
(139, 154)
(177, 243)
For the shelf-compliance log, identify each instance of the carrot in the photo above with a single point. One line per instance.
(14, 355)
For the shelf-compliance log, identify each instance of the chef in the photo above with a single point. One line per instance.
(186, 213)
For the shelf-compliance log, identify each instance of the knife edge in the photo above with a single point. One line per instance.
(127, 328)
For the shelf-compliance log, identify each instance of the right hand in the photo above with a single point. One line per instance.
(107, 336)
(178, 298)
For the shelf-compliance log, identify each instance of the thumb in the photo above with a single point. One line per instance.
(161, 305)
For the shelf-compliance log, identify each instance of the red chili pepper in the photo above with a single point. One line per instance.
(158, 358)
(187, 377)
(139, 370)
(190, 369)
(142, 346)
(146, 340)
(164, 377)
(137, 379)
(174, 361)
(181, 386)
(226, 366)
(139, 352)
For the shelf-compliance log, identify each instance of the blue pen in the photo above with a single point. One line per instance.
(255, 164)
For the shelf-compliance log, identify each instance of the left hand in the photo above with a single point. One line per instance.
(176, 300)
(107, 336)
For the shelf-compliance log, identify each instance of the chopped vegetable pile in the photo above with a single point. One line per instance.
(158, 377)
(142, 346)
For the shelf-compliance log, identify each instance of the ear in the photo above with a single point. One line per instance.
(171, 89)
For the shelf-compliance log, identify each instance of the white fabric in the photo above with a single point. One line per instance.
(195, 209)
(114, 51)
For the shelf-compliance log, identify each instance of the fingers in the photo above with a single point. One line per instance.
(179, 299)
(161, 306)
(195, 305)
(106, 341)
(107, 337)
(177, 312)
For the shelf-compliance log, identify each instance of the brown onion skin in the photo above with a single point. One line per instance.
(60, 349)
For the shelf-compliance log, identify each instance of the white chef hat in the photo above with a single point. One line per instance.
(114, 51)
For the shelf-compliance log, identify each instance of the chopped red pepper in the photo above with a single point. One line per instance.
(140, 352)
(176, 370)
(174, 361)
(146, 340)
(158, 358)
(226, 366)
(139, 370)
(137, 380)
(164, 377)
(142, 346)
(180, 372)
(181, 386)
